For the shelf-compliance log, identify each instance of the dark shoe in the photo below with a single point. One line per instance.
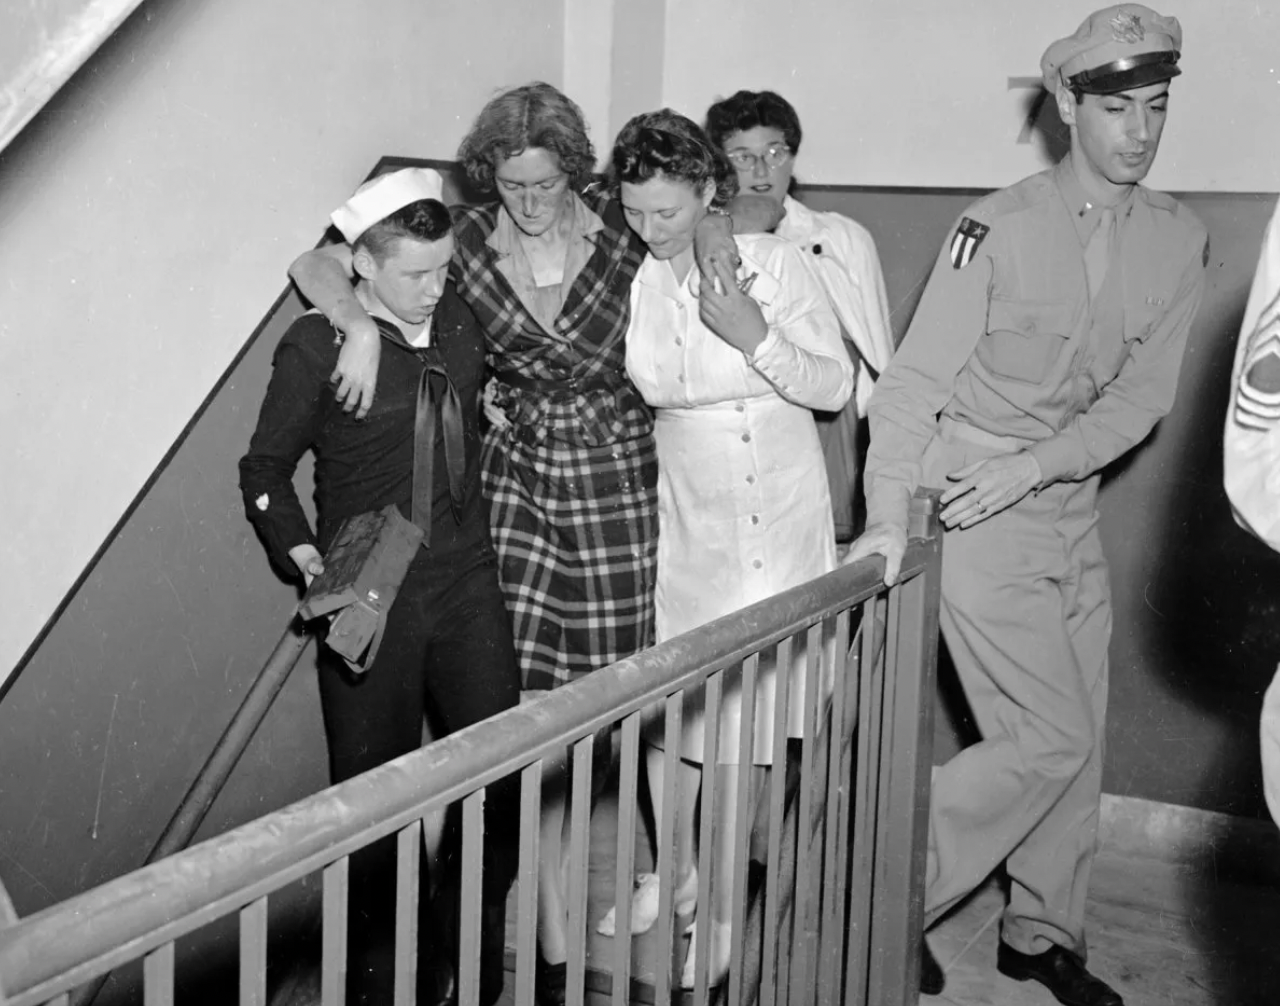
(1061, 972)
(549, 982)
(932, 978)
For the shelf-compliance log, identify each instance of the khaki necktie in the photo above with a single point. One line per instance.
(1097, 253)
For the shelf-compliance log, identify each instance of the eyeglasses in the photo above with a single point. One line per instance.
(774, 156)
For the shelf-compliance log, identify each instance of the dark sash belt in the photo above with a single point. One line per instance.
(560, 388)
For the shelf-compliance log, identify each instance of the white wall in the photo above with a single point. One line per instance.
(588, 64)
(916, 92)
(613, 63)
(148, 214)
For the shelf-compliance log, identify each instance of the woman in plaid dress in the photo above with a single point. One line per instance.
(571, 475)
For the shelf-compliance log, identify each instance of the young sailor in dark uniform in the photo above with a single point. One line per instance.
(447, 646)
(1047, 344)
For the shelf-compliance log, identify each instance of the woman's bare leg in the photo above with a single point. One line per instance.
(655, 763)
(553, 934)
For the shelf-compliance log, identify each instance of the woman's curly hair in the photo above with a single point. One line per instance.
(672, 145)
(534, 115)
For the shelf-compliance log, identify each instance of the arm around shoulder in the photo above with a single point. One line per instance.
(323, 276)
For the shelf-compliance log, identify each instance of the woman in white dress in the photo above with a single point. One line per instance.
(743, 506)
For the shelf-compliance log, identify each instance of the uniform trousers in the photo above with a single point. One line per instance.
(446, 652)
(1026, 614)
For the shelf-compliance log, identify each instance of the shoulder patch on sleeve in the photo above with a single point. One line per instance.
(964, 243)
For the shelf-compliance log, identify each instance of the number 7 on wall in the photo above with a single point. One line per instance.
(1034, 108)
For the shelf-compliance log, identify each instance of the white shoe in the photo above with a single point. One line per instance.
(721, 948)
(644, 904)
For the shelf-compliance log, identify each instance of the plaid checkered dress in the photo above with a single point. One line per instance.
(572, 482)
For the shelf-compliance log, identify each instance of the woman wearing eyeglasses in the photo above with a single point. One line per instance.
(759, 131)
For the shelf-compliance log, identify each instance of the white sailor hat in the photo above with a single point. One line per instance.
(379, 197)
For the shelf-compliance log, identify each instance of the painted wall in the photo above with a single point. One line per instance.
(147, 216)
(918, 92)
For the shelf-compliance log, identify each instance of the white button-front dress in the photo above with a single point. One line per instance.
(743, 505)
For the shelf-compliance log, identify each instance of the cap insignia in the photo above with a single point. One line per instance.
(1126, 27)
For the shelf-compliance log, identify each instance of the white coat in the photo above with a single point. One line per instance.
(843, 255)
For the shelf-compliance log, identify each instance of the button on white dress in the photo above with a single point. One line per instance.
(743, 506)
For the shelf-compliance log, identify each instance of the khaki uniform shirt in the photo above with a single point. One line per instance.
(1006, 338)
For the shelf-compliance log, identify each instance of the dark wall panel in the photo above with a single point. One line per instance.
(127, 691)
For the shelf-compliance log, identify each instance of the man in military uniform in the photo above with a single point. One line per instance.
(1047, 344)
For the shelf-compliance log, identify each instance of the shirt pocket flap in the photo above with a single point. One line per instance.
(1028, 317)
(1025, 339)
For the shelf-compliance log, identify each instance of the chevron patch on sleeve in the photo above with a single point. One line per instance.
(965, 242)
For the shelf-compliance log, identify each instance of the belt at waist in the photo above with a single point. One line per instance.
(956, 430)
(562, 388)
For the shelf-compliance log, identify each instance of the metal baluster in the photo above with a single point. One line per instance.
(837, 811)
(866, 769)
(845, 758)
(333, 961)
(628, 797)
(883, 964)
(708, 836)
(527, 898)
(665, 868)
(408, 886)
(579, 854)
(805, 889)
(898, 911)
(157, 976)
(253, 953)
(772, 978)
(742, 826)
(472, 897)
